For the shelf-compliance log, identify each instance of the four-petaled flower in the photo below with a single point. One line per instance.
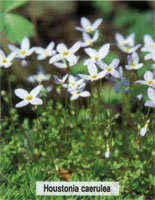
(24, 49)
(65, 53)
(73, 83)
(28, 97)
(148, 79)
(126, 44)
(6, 61)
(111, 68)
(87, 26)
(94, 75)
(148, 41)
(97, 55)
(41, 76)
(88, 41)
(79, 92)
(133, 62)
(151, 95)
(45, 52)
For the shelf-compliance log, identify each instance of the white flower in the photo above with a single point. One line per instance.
(148, 41)
(24, 49)
(129, 41)
(148, 79)
(73, 83)
(143, 131)
(6, 61)
(24, 63)
(107, 154)
(151, 95)
(28, 97)
(126, 44)
(87, 26)
(88, 41)
(111, 68)
(41, 76)
(94, 75)
(60, 81)
(97, 55)
(139, 97)
(62, 64)
(43, 53)
(151, 53)
(79, 92)
(133, 62)
(65, 53)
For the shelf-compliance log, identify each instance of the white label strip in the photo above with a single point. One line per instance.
(77, 188)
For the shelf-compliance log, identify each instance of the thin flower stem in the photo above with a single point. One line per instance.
(50, 153)
(10, 90)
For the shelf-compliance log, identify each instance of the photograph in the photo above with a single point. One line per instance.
(77, 100)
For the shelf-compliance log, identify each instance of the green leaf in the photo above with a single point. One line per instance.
(16, 27)
(13, 4)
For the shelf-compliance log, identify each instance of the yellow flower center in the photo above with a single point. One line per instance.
(96, 58)
(77, 92)
(4, 60)
(89, 29)
(94, 76)
(150, 82)
(29, 97)
(127, 49)
(46, 52)
(73, 84)
(109, 69)
(154, 52)
(89, 42)
(153, 44)
(133, 64)
(23, 52)
(65, 53)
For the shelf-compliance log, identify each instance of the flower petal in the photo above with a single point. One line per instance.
(85, 94)
(115, 74)
(102, 65)
(114, 63)
(119, 38)
(39, 50)
(91, 52)
(148, 39)
(97, 23)
(55, 58)
(84, 76)
(36, 90)
(95, 37)
(50, 46)
(74, 97)
(36, 101)
(72, 59)
(151, 94)
(104, 50)
(75, 47)
(102, 74)
(11, 56)
(85, 22)
(21, 104)
(141, 82)
(79, 29)
(135, 57)
(25, 43)
(13, 48)
(148, 76)
(130, 39)
(117, 87)
(21, 93)
(92, 69)
(61, 47)
(149, 104)
(86, 37)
